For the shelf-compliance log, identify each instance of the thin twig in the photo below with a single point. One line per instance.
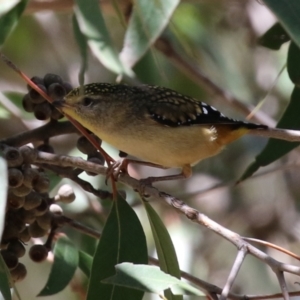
(63, 220)
(234, 272)
(283, 286)
(265, 243)
(278, 133)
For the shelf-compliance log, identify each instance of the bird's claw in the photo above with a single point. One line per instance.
(115, 169)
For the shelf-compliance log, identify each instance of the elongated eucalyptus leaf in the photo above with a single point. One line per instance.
(287, 11)
(63, 269)
(149, 279)
(165, 249)
(4, 280)
(277, 148)
(147, 22)
(274, 37)
(10, 19)
(83, 45)
(85, 263)
(122, 240)
(92, 25)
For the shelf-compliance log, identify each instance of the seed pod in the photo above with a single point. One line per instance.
(16, 247)
(56, 209)
(56, 91)
(29, 154)
(45, 148)
(68, 87)
(97, 159)
(31, 176)
(21, 191)
(56, 114)
(27, 216)
(35, 230)
(42, 111)
(19, 273)
(15, 177)
(52, 78)
(42, 208)
(10, 259)
(32, 200)
(65, 194)
(15, 202)
(84, 145)
(4, 244)
(24, 235)
(13, 157)
(27, 104)
(35, 97)
(38, 253)
(45, 220)
(37, 80)
(42, 184)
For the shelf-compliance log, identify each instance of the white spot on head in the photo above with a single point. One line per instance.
(205, 111)
(213, 108)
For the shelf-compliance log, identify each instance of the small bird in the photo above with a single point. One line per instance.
(154, 124)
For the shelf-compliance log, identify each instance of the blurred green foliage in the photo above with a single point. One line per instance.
(217, 38)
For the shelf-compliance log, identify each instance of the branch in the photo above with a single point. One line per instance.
(191, 213)
(233, 274)
(42, 133)
(277, 133)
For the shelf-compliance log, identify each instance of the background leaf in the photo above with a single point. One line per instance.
(149, 279)
(85, 263)
(4, 280)
(122, 240)
(10, 19)
(277, 148)
(92, 25)
(63, 269)
(147, 21)
(165, 249)
(274, 37)
(3, 192)
(287, 11)
(83, 46)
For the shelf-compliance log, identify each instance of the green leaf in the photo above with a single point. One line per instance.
(293, 63)
(287, 12)
(122, 240)
(4, 280)
(147, 22)
(3, 192)
(277, 148)
(92, 25)
(164, 246)
(10, 18)
(274, 38)
(85, 263)
(63, 269)
(83, 46)
(149, 279)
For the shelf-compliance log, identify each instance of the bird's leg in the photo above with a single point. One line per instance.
(185, 173)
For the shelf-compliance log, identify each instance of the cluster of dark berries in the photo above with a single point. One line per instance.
(30, 211)
(55, 87)
(87, 148)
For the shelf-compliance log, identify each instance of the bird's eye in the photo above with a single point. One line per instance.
(86, 101)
